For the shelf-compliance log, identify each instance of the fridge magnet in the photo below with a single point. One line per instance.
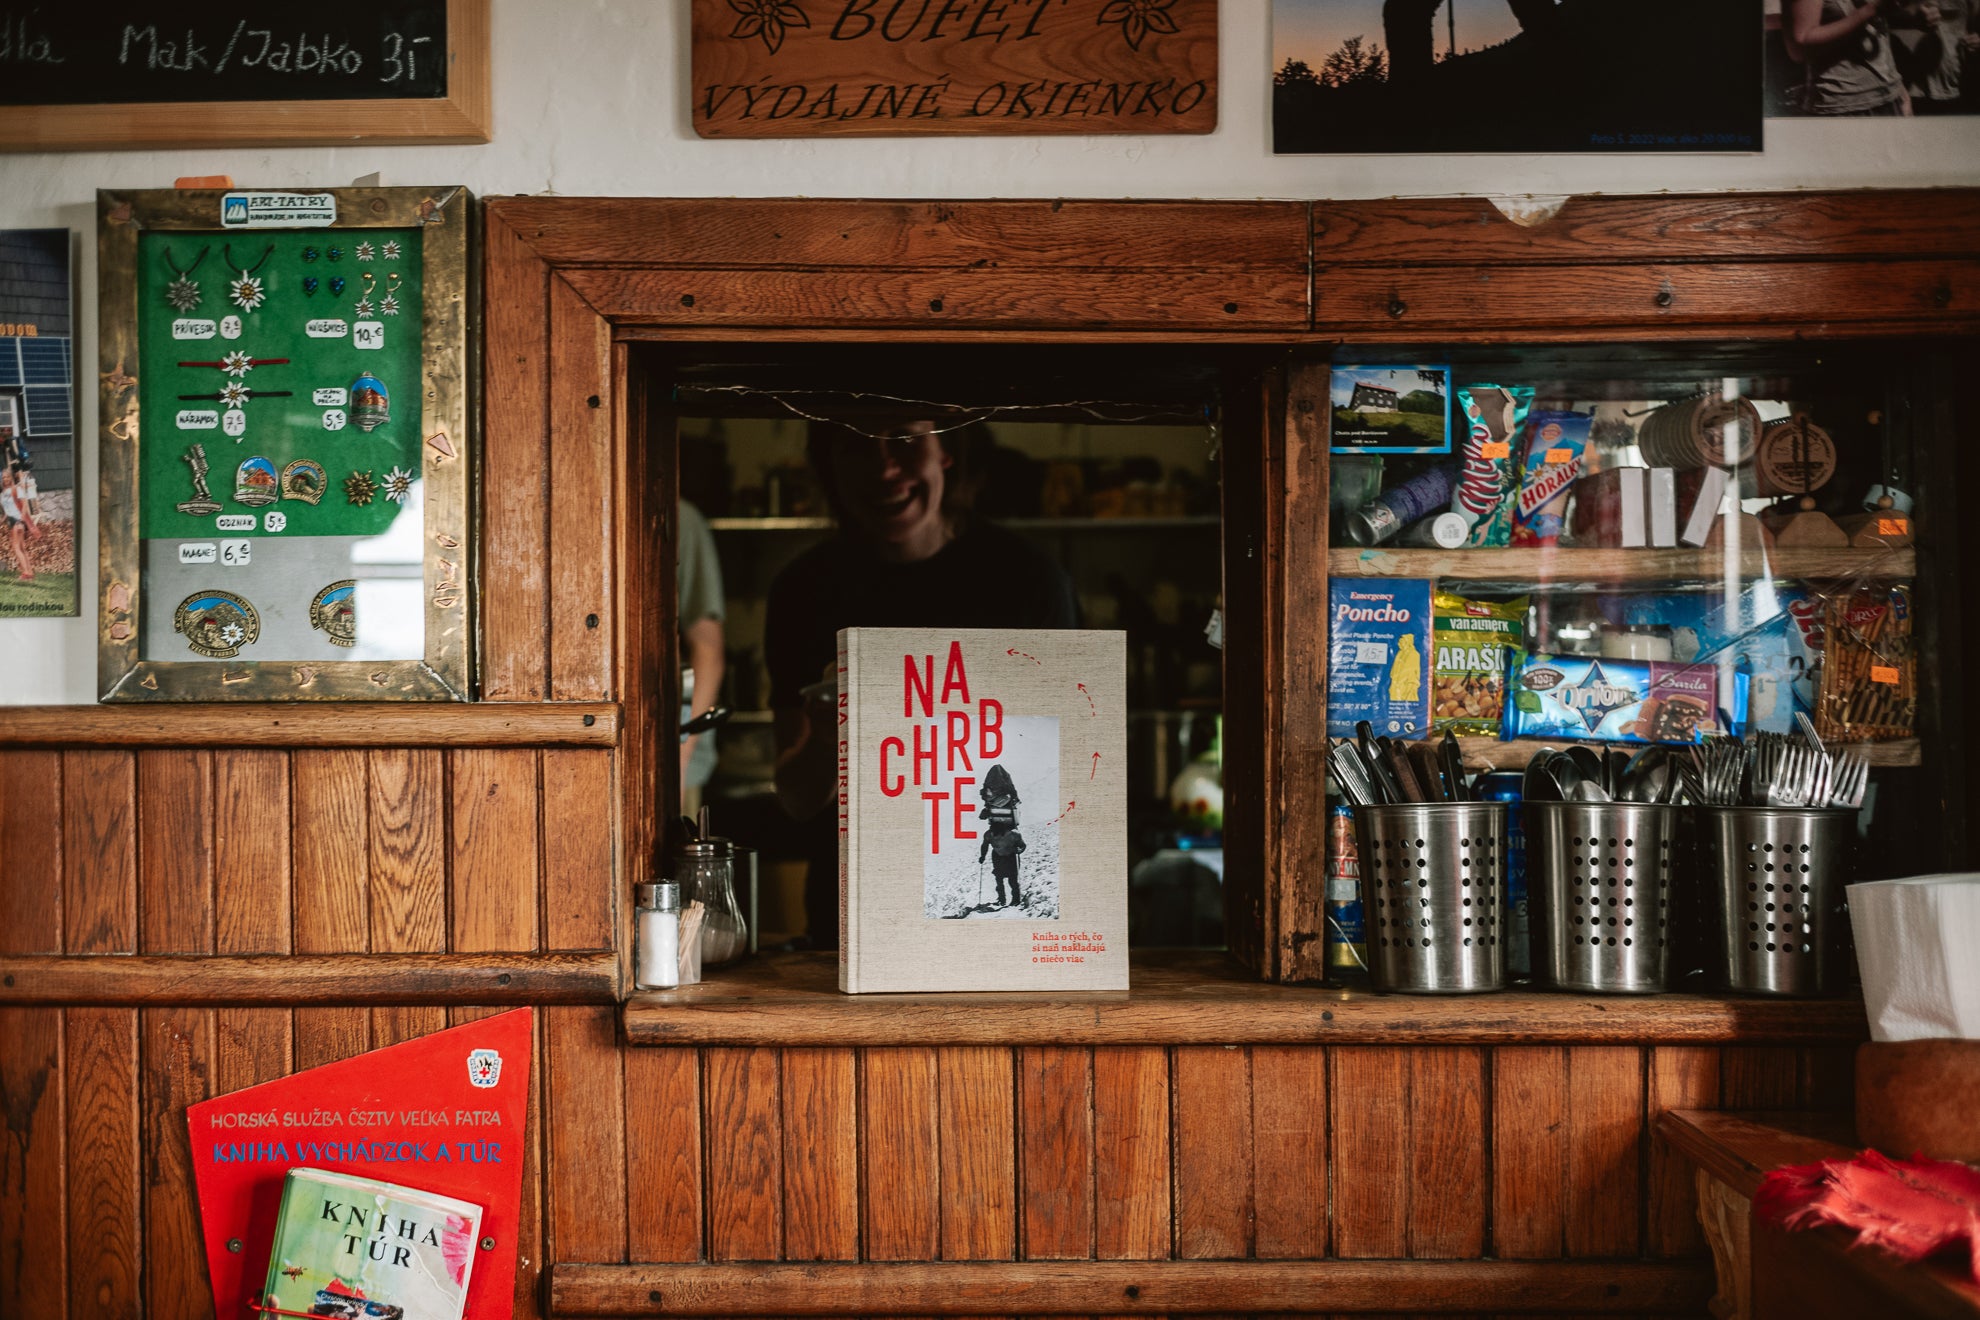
(37, 428)
(217, 624)
(256, 482)
(371, 403)
(183, 292)
(1391, 410)
(280, 317)
(202, 501)
(333, 610)
(303, 480)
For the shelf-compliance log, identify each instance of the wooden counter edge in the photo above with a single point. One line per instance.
(783, 1004)
(1740, 1147)
(316, 724)
(310, 979)
(1164, 1287)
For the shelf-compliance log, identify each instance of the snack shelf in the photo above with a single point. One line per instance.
(1501, 755)
(1124, 524)
(1584, 565)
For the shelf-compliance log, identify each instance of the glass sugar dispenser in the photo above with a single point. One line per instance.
(705, 869)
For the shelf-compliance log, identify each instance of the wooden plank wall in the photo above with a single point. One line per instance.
(200, 851)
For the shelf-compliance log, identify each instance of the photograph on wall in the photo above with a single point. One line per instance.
(1011, 871)
(1402, 76)
(1864, 60)
(1391, 410)
(37, 426)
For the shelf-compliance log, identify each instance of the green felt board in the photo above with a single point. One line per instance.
(279, 429)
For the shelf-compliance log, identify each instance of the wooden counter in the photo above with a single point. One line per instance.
(1200, 999)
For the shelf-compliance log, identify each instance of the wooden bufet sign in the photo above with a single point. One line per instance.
(886, 68)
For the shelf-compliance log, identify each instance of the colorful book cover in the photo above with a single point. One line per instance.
(360, 1249)
(982, 810)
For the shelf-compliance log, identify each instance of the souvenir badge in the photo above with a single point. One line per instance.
(371, 403)
(364, 305)
(389, 304)
(365, 252)
(484, 1068)
(334, 610)
(217, 624)
(391, 249)
(246, 291)
(359, 488)
(182, 293)
(303, 480)
(256, 483)
(398, 485)
(202, 502)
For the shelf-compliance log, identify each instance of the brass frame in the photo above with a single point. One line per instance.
(446, 218)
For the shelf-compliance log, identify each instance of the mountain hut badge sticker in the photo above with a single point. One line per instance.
(484, 1068)
(217, 624)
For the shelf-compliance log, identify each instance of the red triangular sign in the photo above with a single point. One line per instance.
(447, 1113)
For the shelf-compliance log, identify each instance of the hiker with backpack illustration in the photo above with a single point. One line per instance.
(1001, 841)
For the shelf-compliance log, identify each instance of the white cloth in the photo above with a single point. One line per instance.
(1918, 947)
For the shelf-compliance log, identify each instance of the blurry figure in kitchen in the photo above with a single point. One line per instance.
(699, 581)
(908, 553)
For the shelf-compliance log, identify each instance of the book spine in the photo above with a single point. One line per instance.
(843, 803)
(1663, 507)
(1632, 507)
(1705, 509)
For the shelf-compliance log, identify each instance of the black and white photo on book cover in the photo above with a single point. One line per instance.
(1011, 872)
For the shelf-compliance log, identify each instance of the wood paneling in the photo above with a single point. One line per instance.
(1677, 1078)
(105, 1232)
(580, 882)
(899, 1172)
(742, 1102)
(494, 826)
(284, 725)
(663, 1153)
(1371, 1154)
(1529, 1152)
(584, 1122)
(408, 831)
(312, 979)
(1289, 1151)
(978, 1153)
(332, 889)
(820, 1154)
(1131, 1124)
(582, 512)
(99, 852)
(1056, 1143)
(1213, 1145)
(1604, 1150)
(1448, 1142)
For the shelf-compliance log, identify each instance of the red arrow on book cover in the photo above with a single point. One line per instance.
(447, 1113)
(1062, 815)
(1091, 712)
(1021, 655)
(1096, 766)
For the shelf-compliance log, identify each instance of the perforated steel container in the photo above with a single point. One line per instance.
(1598, 878)
(1779, 872)
(1433, 891)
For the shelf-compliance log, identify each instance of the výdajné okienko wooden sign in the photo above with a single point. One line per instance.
(840, 68)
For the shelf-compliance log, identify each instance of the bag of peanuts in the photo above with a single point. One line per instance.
(1471, 639)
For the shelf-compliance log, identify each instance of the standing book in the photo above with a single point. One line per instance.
(360, 1249)
(982, 810)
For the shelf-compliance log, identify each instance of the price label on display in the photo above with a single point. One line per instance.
(334, 419)
(235, 554)
(368, 334)
(274, 522)
(230, 327)
(234, 423)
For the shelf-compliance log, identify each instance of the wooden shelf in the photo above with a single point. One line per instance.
(1492, 753)
(317, 724)
(1175, 523)
(1198, 999)
(290, 979)
(1568, 564)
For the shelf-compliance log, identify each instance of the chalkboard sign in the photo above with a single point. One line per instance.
(115, 73)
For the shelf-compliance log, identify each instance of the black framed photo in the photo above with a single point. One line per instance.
(1479, 76)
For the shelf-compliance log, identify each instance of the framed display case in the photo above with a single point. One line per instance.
(286, 444)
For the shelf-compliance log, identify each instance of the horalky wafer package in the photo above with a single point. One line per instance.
(1468, 676)
(1555, 441)
(1596, 699)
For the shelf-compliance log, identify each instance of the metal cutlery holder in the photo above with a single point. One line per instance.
(1433, 877)
(1779, 874)
(1598, 887)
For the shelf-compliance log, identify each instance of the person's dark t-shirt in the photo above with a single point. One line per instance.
(985, 578)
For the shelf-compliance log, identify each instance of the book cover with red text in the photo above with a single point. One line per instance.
(982, 810)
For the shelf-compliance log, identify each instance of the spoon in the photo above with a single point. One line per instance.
(1538, 784)
(1587, 762)
(1633, 785)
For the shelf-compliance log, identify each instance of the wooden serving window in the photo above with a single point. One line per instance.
(599, 309)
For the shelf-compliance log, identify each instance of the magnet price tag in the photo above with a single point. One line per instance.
(235, 554)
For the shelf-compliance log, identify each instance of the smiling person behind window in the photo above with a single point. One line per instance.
(908, 553)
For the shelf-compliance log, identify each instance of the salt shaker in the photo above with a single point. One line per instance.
(657, 935)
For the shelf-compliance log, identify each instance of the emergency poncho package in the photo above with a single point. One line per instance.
(1378, 656)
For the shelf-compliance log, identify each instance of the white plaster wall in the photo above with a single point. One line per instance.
(591, 98)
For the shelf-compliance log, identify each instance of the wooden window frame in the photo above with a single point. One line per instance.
(579, 599)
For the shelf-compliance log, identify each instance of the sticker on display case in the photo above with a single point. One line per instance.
(1390, 410)
(278, 210)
